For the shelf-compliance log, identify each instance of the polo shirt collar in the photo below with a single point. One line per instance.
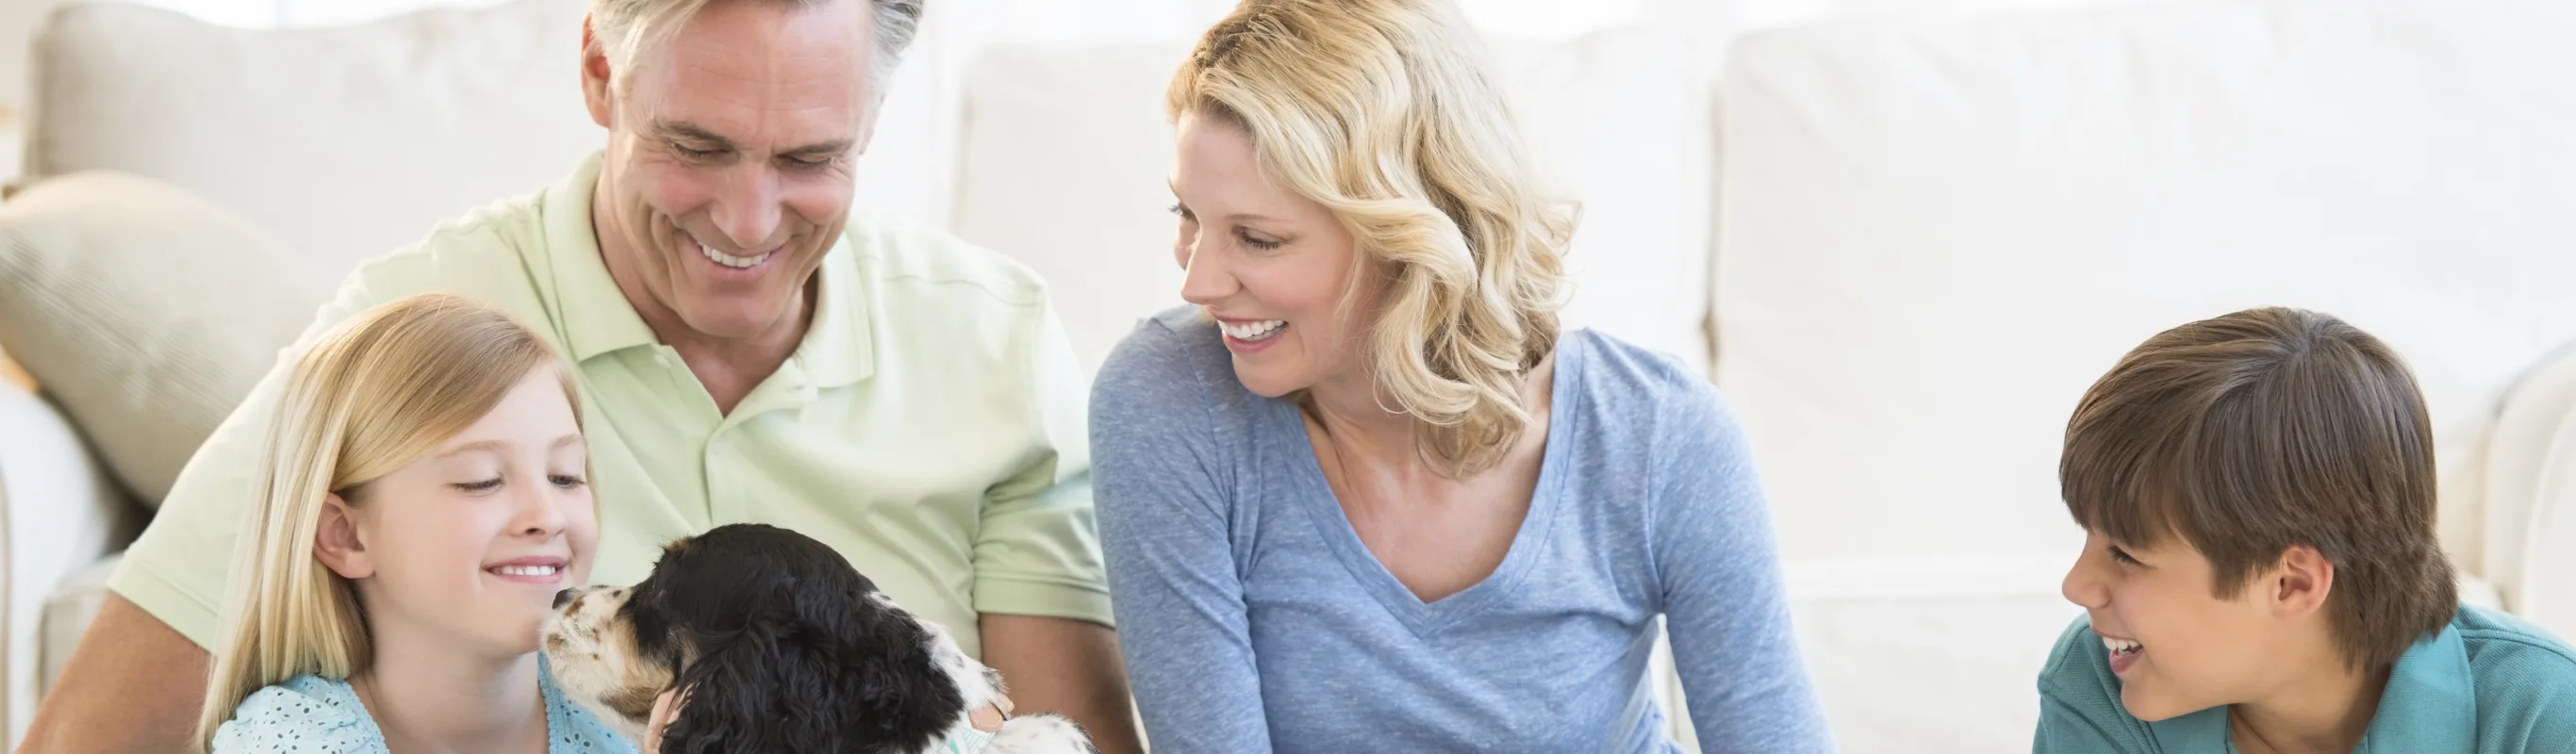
(595, 316)
(597, 319)
(2429, 707)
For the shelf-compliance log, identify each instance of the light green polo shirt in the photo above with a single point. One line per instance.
(930, 426)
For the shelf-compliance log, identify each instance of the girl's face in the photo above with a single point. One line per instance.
(473, 540)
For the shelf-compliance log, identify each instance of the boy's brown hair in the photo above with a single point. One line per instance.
(2252, 432)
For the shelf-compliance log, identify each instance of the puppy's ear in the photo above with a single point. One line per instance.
(732, 691)
(897, 690)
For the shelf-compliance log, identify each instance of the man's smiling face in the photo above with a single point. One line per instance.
(729, 167)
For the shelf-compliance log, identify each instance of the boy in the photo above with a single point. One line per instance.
(2260, 572)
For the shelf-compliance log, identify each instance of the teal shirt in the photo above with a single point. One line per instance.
(2488, 684)
(309, 714)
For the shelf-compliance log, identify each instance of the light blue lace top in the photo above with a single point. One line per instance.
(309, 714)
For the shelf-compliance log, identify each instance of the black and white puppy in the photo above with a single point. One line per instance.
(777, 645)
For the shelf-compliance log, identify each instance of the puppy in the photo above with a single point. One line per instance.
(777, 645)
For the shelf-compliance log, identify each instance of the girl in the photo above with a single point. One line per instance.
(421, 500)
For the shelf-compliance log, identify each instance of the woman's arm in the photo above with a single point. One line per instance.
(1158, 476)
(1720, 574)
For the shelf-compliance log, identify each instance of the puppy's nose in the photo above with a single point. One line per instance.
(563, 598)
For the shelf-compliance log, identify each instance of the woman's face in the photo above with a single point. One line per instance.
(1271, 267)
(473, 540)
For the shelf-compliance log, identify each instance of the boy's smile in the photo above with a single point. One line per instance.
(2124, 652)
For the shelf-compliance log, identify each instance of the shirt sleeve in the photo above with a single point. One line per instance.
(1719, 569)
(1036, 550)
(1163, 523)
(301, 715)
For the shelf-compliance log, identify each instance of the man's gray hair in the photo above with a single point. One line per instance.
(625, 28)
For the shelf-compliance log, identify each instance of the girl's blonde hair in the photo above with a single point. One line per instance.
(370, 397)
(1388, 114)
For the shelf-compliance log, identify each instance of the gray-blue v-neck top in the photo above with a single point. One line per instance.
(1254, 619)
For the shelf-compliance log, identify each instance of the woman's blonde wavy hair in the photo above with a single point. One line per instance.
(1388, 113)
(374, 394)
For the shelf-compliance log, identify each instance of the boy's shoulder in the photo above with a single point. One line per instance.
(305, 714)
(2524, 678)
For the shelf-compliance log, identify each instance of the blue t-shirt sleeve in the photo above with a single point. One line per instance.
(304, 714)
(1720, 574)
(1158, 471)
(2079, 700)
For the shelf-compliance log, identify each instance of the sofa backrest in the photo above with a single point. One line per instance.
(1064, 152)
(1935, 234)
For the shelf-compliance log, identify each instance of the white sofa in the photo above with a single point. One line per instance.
(1901, 247)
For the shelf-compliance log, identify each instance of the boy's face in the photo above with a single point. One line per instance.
(2191, 650)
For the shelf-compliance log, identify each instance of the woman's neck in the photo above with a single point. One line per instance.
(1366, 424)
(2325, 713)
(429, 694)
(1363, 420)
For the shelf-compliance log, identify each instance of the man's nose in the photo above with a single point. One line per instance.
(747, 210)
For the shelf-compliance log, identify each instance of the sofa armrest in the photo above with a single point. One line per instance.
(2530, 493)
(60, 513)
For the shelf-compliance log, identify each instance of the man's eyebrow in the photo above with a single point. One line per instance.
(686, 131)
(691, 132)
(824, 149)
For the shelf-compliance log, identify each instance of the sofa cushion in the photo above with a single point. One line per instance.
(1065, 152)
(344, 142)
(145, 312)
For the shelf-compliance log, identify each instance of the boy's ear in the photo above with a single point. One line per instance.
(2297, 585)
(336, 542)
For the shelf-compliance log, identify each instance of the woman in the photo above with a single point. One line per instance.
(1363, 495)
(424, 496)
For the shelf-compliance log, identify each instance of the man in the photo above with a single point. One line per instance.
(751, 349)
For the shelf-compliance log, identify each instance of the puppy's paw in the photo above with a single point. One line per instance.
(1041, 734)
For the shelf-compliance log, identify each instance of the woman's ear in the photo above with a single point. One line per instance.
(2299, 583)
(337, 543)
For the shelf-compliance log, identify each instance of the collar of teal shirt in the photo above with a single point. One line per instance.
(2429, 707)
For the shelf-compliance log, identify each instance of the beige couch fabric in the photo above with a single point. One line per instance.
(145, 312)
(344, 142)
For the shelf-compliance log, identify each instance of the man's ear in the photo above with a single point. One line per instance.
(595, 77)
(337, 544)
(2297, 585)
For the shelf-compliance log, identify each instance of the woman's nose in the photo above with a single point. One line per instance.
(1205, 279)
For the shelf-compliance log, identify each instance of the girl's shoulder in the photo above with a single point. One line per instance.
(302, 714)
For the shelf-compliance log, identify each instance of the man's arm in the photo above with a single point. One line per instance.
(1068, 667)
(1040, 589)
(133, 685)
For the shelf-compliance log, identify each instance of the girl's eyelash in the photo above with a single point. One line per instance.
(563, 480)
(1181, 212)
(2123, 556)
(486, 485)
(1255, 243)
